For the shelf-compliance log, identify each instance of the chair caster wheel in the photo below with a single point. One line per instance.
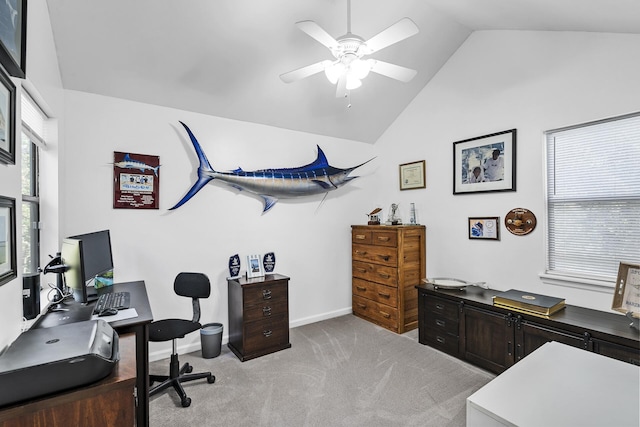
(186, 402)
(189, 369)
(211, 379)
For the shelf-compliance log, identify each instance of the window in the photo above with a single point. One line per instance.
(593, 199)
(32, 118)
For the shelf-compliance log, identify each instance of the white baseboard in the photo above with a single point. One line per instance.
(195, 346)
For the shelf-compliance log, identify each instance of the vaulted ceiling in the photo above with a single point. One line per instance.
(224, 57)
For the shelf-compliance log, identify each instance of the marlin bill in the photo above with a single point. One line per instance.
(272, 184)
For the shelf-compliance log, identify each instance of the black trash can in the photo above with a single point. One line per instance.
(211, 339)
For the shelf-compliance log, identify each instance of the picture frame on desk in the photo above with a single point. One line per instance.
(8, 260)
(485, 163)
(626, 298)
(13, 37)
(254, 266)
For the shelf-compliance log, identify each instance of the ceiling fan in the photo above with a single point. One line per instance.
(349, 66)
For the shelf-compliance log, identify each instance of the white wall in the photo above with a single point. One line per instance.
(311, 240)
(499, 80)
(43, 83)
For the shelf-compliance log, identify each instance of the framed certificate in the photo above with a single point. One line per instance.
(626, 298)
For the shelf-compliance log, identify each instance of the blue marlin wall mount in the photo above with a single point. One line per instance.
(272, 184)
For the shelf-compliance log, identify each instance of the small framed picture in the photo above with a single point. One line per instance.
(626, 298)
(485, 228)
(7, 120)
(485, 163)
(254, 266)
(8, 263)
(412, 175)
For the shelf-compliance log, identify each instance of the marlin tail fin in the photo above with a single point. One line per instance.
(203, 170)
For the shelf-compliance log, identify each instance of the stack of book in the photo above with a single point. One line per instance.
(526, 302)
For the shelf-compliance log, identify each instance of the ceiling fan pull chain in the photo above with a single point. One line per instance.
(348, 96)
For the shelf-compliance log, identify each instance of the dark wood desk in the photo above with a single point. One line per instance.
(108, 402)
(139, 325)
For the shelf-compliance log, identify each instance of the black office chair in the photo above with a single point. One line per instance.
(195, 286)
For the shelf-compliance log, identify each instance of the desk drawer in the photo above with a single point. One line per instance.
(361, 236)
(385, 238)
(266, 293)
(261, 335)
(442, 341)
(442, 308)
(441, 325)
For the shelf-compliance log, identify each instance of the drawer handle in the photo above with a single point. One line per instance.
(267, 333)
(361, 270)
(383, 238)
(440, 306)
(440, 340)
(362, 306)
(384, 276)
(385, 315)
(384, 295)
(360, 236)
(361, 253)
(440, 323)
(266, 311)
(361, 288)
(384, 257)
(266, 294)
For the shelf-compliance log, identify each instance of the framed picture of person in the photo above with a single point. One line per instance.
(485, 163)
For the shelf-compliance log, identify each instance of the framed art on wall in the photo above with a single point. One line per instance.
(8, 269)
(484, 228)
(412, 175)
(485, 163)
(13, 36)
(7, 120)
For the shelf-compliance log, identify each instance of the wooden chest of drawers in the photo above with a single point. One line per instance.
(387, 263)
(258, 315)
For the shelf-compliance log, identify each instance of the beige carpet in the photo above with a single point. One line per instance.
(339, 372)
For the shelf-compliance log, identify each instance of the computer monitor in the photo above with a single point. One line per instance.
(71, 253)
(90, 256)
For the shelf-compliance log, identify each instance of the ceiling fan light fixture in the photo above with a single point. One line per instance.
(353, 82)
(334, 72)
(360, 68)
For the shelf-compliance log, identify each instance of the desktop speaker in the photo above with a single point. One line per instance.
(31, 295)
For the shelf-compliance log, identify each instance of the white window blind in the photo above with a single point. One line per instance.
(33, 117)
(593, 198)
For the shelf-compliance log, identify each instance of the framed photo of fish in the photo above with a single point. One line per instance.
(136, 181)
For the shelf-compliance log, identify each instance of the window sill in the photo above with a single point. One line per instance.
(593, 285)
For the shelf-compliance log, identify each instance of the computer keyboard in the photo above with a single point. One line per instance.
(117, 300)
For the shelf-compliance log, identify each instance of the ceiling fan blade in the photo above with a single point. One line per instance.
(394, 71)
(315, 31)
(399, 31)
(303, 72)
(341, 87)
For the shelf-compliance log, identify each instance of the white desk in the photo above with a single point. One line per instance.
(559, 385)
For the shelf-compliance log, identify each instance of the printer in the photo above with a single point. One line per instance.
(47, 360)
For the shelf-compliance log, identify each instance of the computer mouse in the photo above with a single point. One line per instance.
(108, 312)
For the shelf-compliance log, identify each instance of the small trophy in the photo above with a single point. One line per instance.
(234, 266)
(269, 262)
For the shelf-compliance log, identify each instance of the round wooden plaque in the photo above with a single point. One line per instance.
(520, 221)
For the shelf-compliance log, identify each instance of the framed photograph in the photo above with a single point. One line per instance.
(136, 181)
(485, 163)
(13, 36)
(254, 266)
(412, 175)
(8, 269)
(626, 298)
(7, 120)
(484, 228)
